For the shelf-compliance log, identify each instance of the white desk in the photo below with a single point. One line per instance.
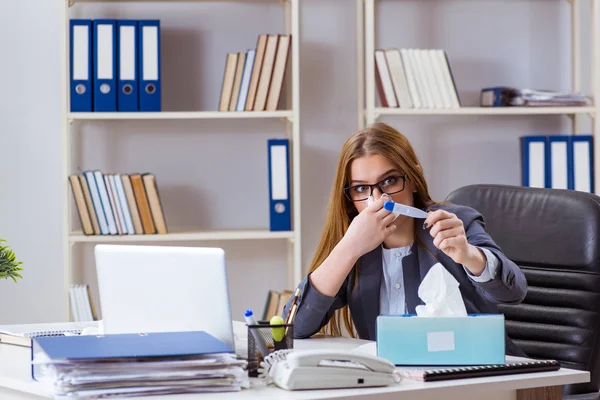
(16, 382)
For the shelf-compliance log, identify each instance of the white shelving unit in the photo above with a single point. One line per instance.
(283, 114)
(368, 112)
(289, 117)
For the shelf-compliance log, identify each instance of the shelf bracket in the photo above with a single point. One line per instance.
(70, 3)
(289, 118)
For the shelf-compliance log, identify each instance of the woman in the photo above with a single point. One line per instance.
(368, 263)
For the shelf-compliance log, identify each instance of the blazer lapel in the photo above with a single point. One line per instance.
(369, 272)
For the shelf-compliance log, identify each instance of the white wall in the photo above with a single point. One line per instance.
(204, 168)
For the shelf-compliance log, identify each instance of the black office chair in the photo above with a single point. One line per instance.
(553, 235)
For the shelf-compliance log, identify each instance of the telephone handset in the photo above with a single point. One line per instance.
(325, 369)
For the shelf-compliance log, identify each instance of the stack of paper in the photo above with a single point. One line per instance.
(21, 334)
(136, 364)
(504, 96)
(531, 97)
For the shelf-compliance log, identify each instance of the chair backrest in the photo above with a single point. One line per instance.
(553, 236)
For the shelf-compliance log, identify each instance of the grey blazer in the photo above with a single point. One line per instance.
(509, 286)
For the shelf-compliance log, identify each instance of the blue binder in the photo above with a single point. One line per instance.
(534, 161)
(100, 348)
(582, 148)
(127, 70)
(80, 65)
(149, 62)
(280, 213)
(560, 162)
(105, 65)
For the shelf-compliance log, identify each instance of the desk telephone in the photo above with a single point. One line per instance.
(324, 369)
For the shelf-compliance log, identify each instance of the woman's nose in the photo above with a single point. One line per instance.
(376, 193)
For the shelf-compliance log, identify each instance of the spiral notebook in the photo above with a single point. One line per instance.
(21, 335)
(513, 365)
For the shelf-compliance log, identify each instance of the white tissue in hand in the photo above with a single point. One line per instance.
(439, 291)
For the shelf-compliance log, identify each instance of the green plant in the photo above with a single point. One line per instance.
(9, 266)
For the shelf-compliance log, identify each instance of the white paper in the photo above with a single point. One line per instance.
(439, 291)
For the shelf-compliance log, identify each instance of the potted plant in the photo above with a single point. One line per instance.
(9, 266)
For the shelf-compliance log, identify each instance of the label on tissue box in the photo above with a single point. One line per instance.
(411, 340)
(440, 341)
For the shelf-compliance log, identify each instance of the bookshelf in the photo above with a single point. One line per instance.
(369, 111)
(79, 237)
(288, 125)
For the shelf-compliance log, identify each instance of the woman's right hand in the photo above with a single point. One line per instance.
(369, 228)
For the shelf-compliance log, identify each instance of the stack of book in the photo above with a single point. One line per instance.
(118, 204)
(127, 365)
(275, 303)
(253, 80)
(82, 305)
(415, 78)
(505, 96)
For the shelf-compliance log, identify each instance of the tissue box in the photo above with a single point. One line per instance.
(411, 340)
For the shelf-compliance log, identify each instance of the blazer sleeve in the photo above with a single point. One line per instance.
(314, 309)
(509, 285)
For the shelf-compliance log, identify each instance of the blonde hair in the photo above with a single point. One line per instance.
(378, 138)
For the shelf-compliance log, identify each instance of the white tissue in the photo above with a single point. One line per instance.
(439, 291)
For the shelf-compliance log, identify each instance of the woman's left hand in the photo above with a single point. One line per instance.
(449, 236)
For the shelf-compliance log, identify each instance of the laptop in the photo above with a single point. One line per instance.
(163, 289)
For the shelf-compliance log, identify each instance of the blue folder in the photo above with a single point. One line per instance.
(149, 62)
(105, 65)
(126, 346)
(80, 62)
(535, 163)
(127, 70)
(560, 162)
(582, 148)
(280, 213)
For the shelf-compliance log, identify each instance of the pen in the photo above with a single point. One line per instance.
(260, 343)
(289, 319)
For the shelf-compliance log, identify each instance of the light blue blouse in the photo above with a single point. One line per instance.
(392, 298)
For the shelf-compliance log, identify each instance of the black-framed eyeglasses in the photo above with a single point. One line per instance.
(390, 185)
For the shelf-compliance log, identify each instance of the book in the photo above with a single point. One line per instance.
(513, 365)
(253, 79)
(130, 203)
(275, 303)
(415, 78)
(21, 335)
(82, 207)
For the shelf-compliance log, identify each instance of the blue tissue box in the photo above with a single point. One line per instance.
(410, 340)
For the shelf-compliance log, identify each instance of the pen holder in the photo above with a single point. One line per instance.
(268, 334)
